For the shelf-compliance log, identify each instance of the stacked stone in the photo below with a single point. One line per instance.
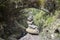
(33, 29)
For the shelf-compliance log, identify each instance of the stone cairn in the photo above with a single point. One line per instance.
(33, 32)
(33, 29)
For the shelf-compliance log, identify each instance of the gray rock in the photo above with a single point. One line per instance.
(30, 37)
(1, 39)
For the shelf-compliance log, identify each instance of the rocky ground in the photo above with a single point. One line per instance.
(51, 32)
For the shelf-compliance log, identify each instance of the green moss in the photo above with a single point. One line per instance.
(49, 20)
(38, 18)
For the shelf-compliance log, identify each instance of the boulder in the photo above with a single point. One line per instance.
(30, 37)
